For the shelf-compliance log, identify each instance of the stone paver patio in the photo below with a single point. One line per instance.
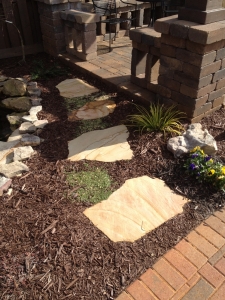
(195, 268)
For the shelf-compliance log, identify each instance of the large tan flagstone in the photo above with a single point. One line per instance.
(139, 206)
(93, 110)
(75, 87)
(106, 145)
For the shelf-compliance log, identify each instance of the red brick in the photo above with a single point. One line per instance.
(216, 224)
(201, 244)
(180, 263)
(201, 291)
(220, 215)
(192, 254)
(193, 280)
(181, 292)
(124, 296)
(216, 257)
(140, 292)
(158, 286)
(211, 235)
(211, 275)
(220, 265)
(165, 270)
(219, 294)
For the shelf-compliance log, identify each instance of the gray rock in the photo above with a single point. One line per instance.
(22, 153)
(13, 169)
(4, 184)
(35, 101)
(32, 84)
(31, 91)
(191, 138)
(3, 78)
(14, 87)
(35, 110)
(30, 140)
(15, 118)
(29, 118)
(18, 104)
(40, 123)
(27, 127)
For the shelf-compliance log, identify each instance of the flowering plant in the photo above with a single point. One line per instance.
(205, 169)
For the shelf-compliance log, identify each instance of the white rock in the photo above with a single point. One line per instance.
(22, 153)
(40, 123)
(27, 127)
(35, 109)
(30, 140)
(31, 118)
(13, 169)
(4, 184)
(15, 136)
(193, 137)
(6, 151)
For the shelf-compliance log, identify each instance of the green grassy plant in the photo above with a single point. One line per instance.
(94, 185)
(158, 118)
(40, 71)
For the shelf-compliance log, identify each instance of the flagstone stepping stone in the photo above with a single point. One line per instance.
(106, 145)
(75, 87)
(93, 110)
(139, 206)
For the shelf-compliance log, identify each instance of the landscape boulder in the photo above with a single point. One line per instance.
(17, 104)
(13, 169)
(14, 87)
(192, 137)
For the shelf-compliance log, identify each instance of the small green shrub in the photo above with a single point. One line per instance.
(40, 71)
(94, 185)
(158, 118)
(205, 169)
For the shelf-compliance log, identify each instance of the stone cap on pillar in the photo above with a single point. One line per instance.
(80, 17)
(202, 11)
(201, 34)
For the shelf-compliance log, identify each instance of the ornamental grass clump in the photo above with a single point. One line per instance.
(158, 118)
(205, 169)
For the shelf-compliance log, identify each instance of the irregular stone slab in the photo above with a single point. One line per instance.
(35, 110)
(191, 138)
(6, 151)
(139, 206)
(13, 169)
(35, 101)
(15, 136)
(40, 123)
(31, 91)
(71, 88)
(30, 140)
(30, 118)
(27, 127)
(106, 145)
(14, 87)
(93, 110)
(15, 118)
(19, 104)
(4, 184)
(22, 153)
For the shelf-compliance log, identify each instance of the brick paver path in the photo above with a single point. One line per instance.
(193, 270)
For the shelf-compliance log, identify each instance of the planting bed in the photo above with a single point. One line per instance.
(48, 248)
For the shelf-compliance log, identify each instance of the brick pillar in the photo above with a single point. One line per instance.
(52, 25)
(192, 62)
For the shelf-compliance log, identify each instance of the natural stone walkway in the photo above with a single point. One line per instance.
(195, 268)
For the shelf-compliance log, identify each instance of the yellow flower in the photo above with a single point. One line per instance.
(220, 177)
(195, 149)
(223, 170)
(211, 160)
(211, 172)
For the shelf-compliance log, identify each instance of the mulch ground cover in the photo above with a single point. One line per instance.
(48, 248)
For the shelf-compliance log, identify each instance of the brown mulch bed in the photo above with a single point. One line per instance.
(48, 248)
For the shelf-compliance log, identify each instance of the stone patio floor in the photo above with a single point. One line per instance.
(195, 268)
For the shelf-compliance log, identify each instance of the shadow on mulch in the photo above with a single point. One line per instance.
(49, 249)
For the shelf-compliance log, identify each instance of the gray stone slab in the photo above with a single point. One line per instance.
(203, 4)
(202, 17)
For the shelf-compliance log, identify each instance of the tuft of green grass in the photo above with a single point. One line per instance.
(158, 118)
(93, 185)
(40, 71)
